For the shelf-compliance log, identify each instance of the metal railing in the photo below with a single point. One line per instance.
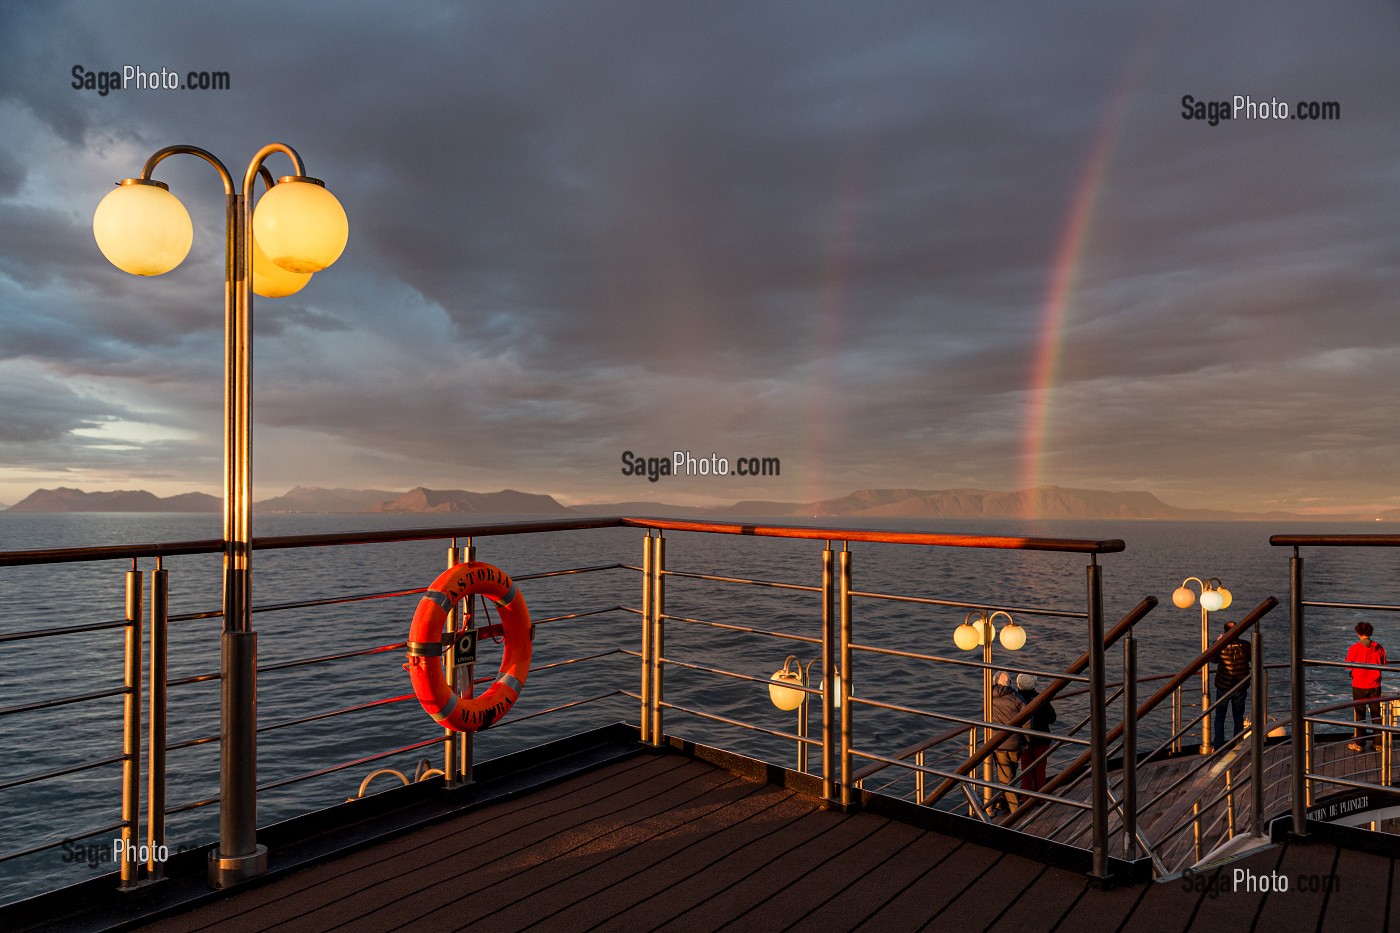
(152, 665)
(855, 632)
(1306, 776)
(839, 648)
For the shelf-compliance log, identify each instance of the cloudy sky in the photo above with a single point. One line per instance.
(892, 244)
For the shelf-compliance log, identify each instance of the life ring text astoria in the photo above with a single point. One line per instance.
(425, 647)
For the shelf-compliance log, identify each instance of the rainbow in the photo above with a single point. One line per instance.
(1064, 270)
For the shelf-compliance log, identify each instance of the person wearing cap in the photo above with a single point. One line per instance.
(1365, 684)
(1033, 754)
(1006, 706)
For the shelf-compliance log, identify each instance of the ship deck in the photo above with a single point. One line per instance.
(657, 840)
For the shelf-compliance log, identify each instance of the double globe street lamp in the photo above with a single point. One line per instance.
(1213, 598)
(980, 632)
(788, 690)
(298, 228)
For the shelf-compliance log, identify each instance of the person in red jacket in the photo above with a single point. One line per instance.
(1365, 685)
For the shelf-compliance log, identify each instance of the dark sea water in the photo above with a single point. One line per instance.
(1157, 558)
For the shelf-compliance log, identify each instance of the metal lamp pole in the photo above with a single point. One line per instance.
(120, 225)
(1214, 597)
(979, 632)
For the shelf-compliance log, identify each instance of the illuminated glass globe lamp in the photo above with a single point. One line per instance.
(142, 228)
(783, 688)
(1225, 598)
(300, 225)
(1183, 597)
(966, 637)
(986, 631)
(1013, 637)
(836, 687)
(271, 280)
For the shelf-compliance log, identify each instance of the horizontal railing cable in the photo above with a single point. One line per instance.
(63, 701)
(728, 626)
(66, 840)
(965, 604)
(715, 717)
(770, 584)
(554, 709)
(60, 772)
(66, 630)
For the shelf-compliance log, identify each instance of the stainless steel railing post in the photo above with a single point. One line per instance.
(466, 742)
(1387, 719)
(1196, 830)
(1259, 713)
(1230, 802)
(647, 662)
(155, 793)
(847, 675)
(1098, 726)
(828, 695)
(131, 734)
(1176, 720)
(449, 661)
(1129, 796)
(1309, 763)
(658, 637)
(1297, 697)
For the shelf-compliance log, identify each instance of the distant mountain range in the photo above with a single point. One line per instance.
(299, 499)
(505, 502)
(1053, 502)
(64, 499)
(1047, 502)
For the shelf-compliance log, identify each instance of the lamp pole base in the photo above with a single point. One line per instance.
(226, 871)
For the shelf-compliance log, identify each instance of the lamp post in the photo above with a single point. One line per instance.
(979, 632)
(786, 693)
(300, 229)
(1214, 597)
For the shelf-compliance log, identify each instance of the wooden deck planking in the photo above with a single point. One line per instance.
(934, 890)
(704, 871)
(884, 882)
(669, 842)
(1042, 902)
(617, 887)
(461, 887)
(767, 873)
(981, 905)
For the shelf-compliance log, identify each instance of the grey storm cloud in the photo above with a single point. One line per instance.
(826, 231)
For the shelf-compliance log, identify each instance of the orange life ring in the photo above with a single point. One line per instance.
(425, 647)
